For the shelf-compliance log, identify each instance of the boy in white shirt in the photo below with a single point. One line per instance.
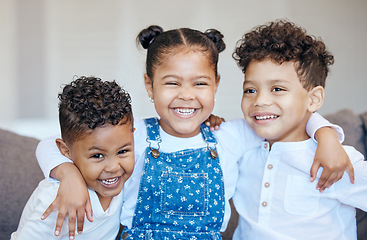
(285, 72)
(96, 124)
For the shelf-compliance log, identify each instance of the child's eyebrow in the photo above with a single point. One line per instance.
(100, 149)
(171, 76)
(95, 148)
(273, 81)
(126, 145)
(278, 81)
(248, 82)
(180, 78)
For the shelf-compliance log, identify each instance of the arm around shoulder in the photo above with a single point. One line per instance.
(317, 122)
(329, 154)
(49, 156)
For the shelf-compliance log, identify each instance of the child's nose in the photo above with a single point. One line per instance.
(186, 93)
(262, 99)
(112, 165)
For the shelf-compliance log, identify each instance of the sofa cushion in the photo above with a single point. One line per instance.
(353, 127)
(362, 216)
(364, 120)
(19, 176)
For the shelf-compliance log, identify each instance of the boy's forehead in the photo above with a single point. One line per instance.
(107, 129)
(271, 71)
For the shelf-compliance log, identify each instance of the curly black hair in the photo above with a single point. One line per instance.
(282, 41)
(160, 44)
(89, 102)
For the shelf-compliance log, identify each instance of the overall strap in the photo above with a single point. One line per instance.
(153, 135)
(208, 136)
(210, 140)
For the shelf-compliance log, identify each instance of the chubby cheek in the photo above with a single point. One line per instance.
(90, 173)
(128, 168)
(244, 107)
(210, 106)
(246, 111)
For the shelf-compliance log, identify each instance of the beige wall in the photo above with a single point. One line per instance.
(44, 43)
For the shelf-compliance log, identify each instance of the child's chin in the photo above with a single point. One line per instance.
(112, 193)
(263, 135)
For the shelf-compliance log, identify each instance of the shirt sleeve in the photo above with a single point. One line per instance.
(354, 194)
(131, 186)
(49, 156)
(30, 225)
(317, 121)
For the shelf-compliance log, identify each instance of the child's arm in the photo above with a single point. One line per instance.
(72, 198)
(49, 156)
(329, 154)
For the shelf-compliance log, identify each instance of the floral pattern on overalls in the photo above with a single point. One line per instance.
(181, 194)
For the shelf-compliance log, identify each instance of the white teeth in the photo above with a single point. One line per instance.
(109, 181)
(265, 117)
(185, 111)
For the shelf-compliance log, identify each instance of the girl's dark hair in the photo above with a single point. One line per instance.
(161, 43)
(89, 102)
(282, 41)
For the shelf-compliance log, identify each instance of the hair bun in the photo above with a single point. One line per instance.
(217, 38)
(146, 36)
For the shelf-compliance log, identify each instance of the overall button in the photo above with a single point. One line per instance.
(267, 184)
(270, 166)
(264, 204)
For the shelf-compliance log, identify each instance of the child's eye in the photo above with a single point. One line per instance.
(201, 84)
(171, 83)
(98, 155)
(277, 89)
(122, 151)
(249, 91)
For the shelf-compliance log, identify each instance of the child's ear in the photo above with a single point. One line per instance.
(316, 98)
(63, 148)
(148, 86)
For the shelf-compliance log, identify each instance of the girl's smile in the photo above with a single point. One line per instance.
(182, 112)
(183, 90)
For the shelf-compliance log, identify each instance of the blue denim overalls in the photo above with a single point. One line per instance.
(181, 194)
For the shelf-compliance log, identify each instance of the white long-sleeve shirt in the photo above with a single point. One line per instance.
(276, 200)
(105, 224)
(234, 138)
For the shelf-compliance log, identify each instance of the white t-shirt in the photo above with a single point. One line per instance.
(276, 200)
(105, 224)
(234, 139)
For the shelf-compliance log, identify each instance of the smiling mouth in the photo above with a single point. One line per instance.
(110, 181)
(185, 111)
(266, 117)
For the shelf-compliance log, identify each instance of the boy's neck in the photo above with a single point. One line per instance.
(298, 138)
(105, 201)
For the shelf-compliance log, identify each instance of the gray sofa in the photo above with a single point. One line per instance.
(20, 174)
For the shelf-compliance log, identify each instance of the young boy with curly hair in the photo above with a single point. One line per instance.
(96, 124)
(285, 72)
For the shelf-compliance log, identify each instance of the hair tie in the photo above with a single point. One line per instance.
(150, 42)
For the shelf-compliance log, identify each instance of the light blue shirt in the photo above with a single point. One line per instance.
(276, 200)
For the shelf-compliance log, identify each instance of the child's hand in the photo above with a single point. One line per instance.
(330, 155)
(72, 199)
(213, 122)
